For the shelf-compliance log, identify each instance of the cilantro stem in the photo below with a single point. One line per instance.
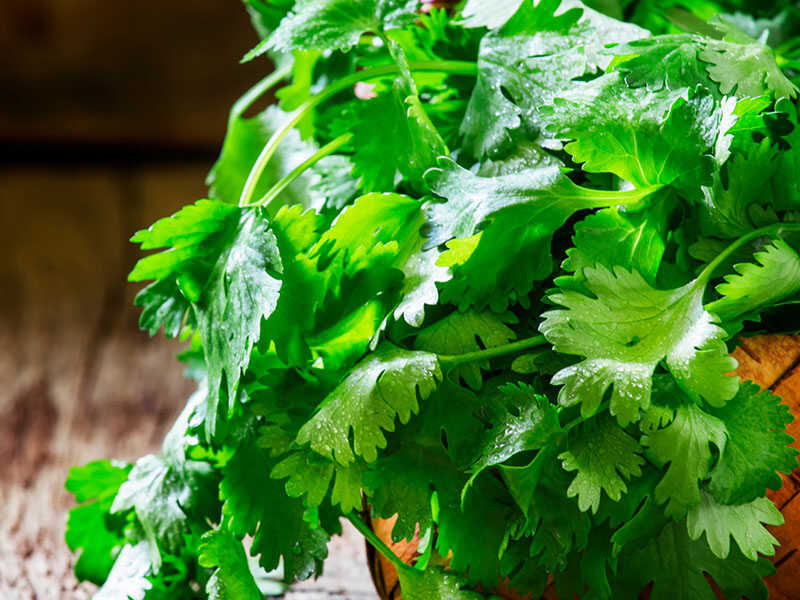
(258, 90)
(771, 230)
(445, 66)
(449, 361)
(276, 189)
(375, 541)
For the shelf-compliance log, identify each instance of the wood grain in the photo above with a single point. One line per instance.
(771, 361)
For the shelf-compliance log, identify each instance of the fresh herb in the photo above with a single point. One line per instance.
(482, 269)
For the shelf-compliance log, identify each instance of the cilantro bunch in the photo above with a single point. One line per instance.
(481, 268)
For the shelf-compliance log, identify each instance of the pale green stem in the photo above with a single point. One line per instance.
(286, 181)
(258, 90)
(376, 542)
(449, 361)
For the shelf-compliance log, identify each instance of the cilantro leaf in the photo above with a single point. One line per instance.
(232, 579)
(744, 523)
(554, 525)
(603, 456)
(433, 584)
(129, 575)
(334, 24)
(529, 422)
(685, 445)
(459, 333)
(477, 13)
(744, 66)
(403, 483)
(310, 475)
(757, 447)
(243, 289)
(523, 64)
(279, 524)
(225, 260)
(523, 210)
(88, 527)
(644, 137)
(408, 147)
(612, 236)
(677, 566)
(624, 331)
(774, 276)
(387, 384)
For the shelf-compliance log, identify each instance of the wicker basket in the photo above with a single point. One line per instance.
(772, 362)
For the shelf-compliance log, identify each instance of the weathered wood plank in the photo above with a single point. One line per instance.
(78, 381)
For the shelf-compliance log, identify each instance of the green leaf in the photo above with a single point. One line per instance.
(388, 383)
(409, 144)
(169, 492)
(774, 275)
(161, 494)
(232, 580)
(225, 260)
(129, 576)
(744, 523)
(403, 483)
(522, 211)
(757, 449)
(162, 303)
(624, 331)
(433, 584)
(737, 189)
(334, 24)
(685, 445)
(310, 475)
(471, 331)
(195, 236)
(553, 523)
(603, 456)
(644, 137)
(744, 66)
(613, 236)
(97, 480)
(89, 526)
(477, 13)
(242, 290)
(257, 505)
(662, 62)
(522, 65)
(529, 422)
(677, 566)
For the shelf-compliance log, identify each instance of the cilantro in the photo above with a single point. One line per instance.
(232, 579)
(603, 457)
(479, 270)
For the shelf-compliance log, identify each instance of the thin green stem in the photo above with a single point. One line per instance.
(453, 66)
(771, 230)
(287, 180)
(258, 90)
(449, 361)
(375, 541)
